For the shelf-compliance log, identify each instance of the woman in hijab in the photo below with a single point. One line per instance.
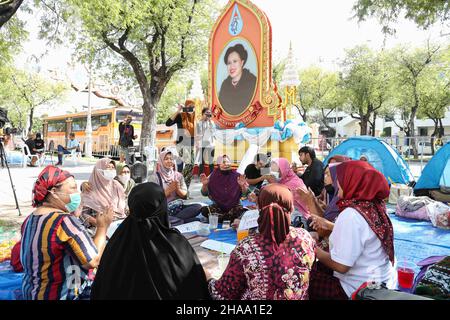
(282, 173)
(325, 206)
(225, 188)
(54, 240)
(125, 180)
(145, 259)
(362, 240)
(175, 190)
(102, 191)
(273, 264)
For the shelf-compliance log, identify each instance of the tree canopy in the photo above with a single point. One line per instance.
(423, 12)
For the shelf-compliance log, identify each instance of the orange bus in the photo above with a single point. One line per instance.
(105, 130)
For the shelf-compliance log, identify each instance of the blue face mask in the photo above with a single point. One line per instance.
(75, 201)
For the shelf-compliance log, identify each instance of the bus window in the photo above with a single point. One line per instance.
(100, 121)
(105, 119)
(121, 114)
(57, 126)
(79, 124)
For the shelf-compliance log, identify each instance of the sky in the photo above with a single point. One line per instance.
(320, 31)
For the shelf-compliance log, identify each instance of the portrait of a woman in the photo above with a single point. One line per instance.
(236, 91)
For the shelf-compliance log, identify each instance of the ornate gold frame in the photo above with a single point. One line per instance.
(268, 96)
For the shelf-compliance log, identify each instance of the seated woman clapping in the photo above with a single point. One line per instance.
(175, 190)
(273, 264)
(362, 238)
(224, 187)
(54, 245)
(146, 259)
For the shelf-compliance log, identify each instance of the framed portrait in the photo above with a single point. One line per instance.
(237, 76)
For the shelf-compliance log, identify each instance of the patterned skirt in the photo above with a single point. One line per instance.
(323, 285)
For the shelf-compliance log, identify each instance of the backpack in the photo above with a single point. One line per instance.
(433, 279)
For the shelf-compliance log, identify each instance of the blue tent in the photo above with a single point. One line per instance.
(437, 172)
(380, 154)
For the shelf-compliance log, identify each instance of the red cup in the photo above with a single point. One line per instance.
(405, 275)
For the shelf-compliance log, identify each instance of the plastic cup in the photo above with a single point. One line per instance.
(226, 224)
(213, 220)
(242, 234)
(405, 272)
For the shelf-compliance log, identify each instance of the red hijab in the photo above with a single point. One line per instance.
(49, 177)
(276, 204)
(365, 189)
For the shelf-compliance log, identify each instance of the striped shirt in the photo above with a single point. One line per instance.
(54, 247)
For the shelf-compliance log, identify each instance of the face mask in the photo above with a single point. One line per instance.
(124, 178)
(276, 174)
(109, 174)
(75, 200)
(329, 188)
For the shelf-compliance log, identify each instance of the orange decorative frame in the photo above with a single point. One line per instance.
(264, 108)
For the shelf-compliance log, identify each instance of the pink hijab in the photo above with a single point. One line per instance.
(167, 175)
(104, 192)
(289, 179)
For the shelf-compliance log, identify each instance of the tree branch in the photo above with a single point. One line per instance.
(130, 58)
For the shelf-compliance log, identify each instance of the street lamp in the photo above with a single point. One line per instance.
(88, 143)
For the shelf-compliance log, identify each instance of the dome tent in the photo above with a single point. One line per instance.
(436, 173)
(380, 154)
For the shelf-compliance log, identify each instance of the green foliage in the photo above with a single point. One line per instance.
(366, 84)
(319, 90)
(423, 12)
(175, 93)
(12, 34)
(146, 42)
(418, 86)
(25, 94)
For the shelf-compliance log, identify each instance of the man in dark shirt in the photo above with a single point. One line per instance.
(253, 174)
(313, 175)
(32, 147)
(127, 135)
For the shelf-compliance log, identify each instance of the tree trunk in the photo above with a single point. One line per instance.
(374, 124)
(433, 135)
(8, 10)
(363, 124)
(441, 129)
(30, 117)
(148, 132)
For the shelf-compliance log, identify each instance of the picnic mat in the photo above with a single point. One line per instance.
(416, 240)
(10, 283)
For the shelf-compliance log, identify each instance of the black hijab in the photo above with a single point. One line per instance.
(146, 259)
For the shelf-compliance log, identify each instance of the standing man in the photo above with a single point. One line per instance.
(184, 119)
(127, 135)
(204, 140)
(72, 146)
(313, 175)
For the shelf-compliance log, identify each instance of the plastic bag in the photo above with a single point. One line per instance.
(439, 214)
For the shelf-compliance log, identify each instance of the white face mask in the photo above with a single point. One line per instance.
(124, 178)
(109, 174)
(276, 174)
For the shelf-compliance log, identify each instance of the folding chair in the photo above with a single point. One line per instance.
(49, 151)
(26, 155)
